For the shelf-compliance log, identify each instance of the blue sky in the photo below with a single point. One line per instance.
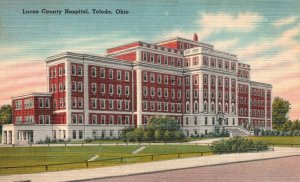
(265, 34)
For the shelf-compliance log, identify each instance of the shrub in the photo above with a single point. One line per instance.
(236, 144)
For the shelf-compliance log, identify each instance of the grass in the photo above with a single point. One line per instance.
(29, 156)
(278, 140)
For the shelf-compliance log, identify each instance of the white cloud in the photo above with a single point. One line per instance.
(243, 22)
(285, 21)
(225, 45)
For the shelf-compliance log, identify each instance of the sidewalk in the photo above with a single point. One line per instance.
(141, 168)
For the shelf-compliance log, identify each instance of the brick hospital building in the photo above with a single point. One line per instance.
(93, 96)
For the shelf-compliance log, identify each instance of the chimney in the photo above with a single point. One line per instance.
(195, 37)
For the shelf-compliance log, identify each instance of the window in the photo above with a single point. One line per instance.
(166, 106)
(47, 119)
(179, 81)
(127, 90)
(74, 134)
(41, 103)
(151, 77)
(94, 103)
(159, 78)
(60, 71)
(111, 103)
(151, 58)
(205, 93)
(119, 120)
(152, 105)
(144, 56)
(205, 106)
(94, 119)
(74, 118)
(187, 107)
(196, 80)
(61, 104)
(111, 119)
(159, 106)
(205, 61)
(119, 104)
(102, 88)
(127, 120)
(102, 103)
(166, 92)
(127, 104)
(212, 80)
(111, 89)
(166, 60)
(54, 72)
(159, 59)
(80, 118)
(178, 107)
(73, 102)
(79, 86)
(172, 93)
(187, 94)
(119, 90)
(79, 70)
(74, 86)
(145, 90)
(145, 76)
(152, 91)
(74, 70)
(103, 119)
(179, 94)
(187, 80)
(119, 75)
(166, 79)
(41, 119)
(220, 63)
(80, 102)
(94, 72)
(47, 103)
(80, 134)
(172, 80)
(195, 120)
(159, 92)
(102, 72)
(186, 121)
(195, 93)
(196, 107)
(205, 121)
(111, 74)
(94, 88)
(127, 76)
(145, 105)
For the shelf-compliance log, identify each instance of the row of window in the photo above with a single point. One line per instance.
(153, 91)
(161, 106)
(243, 74)
(61, 71)
(161, 59)
(44, 102)
(121, 75)
(110, 89)
(173, 80)
(61, 87)
(257, 92)
(213, 63)
(212, 107)
(77, 70)
(27, 119)
(44, 119)
(121, 104)
(212, 121)
(62, 103)
(257, 113)
(213, 81)
(101, 119)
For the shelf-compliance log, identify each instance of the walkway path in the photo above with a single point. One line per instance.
(141, 168)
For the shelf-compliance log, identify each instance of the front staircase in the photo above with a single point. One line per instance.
(238, 131)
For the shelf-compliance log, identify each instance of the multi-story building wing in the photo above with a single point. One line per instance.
(96, 97)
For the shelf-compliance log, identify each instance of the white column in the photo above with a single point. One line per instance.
(229, 96)
(223, 94)
(191, 95)
(86, 92)
(217, 94)
(139, 104)
(209, 94)
(68, 91)
(200, 81)
(265, 111)
(249, 104)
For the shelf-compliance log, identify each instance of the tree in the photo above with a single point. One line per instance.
(5, 114)
(280, 110)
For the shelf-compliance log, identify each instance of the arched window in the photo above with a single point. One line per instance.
(212, 107)
(205, 106)
(187, 107)
(232, 108)
(195, 106)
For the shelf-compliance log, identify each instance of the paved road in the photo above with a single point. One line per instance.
(271, 170)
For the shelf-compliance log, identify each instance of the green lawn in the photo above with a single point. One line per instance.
(28, 156)
(278, 140)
